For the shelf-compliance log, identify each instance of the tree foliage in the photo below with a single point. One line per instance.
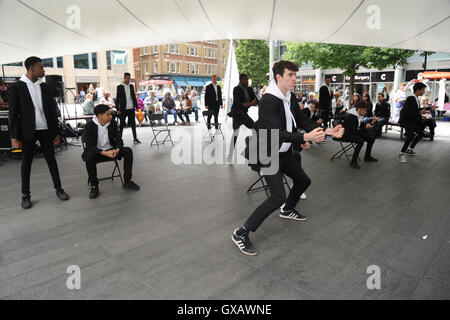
(253, 59)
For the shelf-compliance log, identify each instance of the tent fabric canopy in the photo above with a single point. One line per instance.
(48, 28)
(196, 83)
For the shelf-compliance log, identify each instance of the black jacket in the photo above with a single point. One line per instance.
(383, 110)
(239, 99)
(90, 137)
(121, 99)
(325, 98)
(22, 119)
(352, 126)
(210, 97)
(410, 113)
(272, 116)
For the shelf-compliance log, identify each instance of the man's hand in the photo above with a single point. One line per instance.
(306, 145)
(206, 107)
(423, 111)
(317, 135)
(368, 126)
(319, 121)
(118, 112)
(336, 132)
(56, 140)
(116, 152)
(17, 144)
(109, 154)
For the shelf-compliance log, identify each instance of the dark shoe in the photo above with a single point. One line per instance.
(411, 152)
(354, 165)
(136, 141)
(94, 192)
(431, 138)
(26, 201)
(131, 185)
(292, 214)
(244, 244)
(62, 195)
(370, 159)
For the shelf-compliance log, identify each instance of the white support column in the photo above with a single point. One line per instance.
(318, 80)
(398, 77)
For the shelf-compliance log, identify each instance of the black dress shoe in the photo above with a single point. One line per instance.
(131, 185)
(62, 195)
(370, 159)
(136, 141)
(354, 165)
(26, 201)
(94, 192)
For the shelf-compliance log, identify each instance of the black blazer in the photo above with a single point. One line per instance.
(22, 119)
(121, 99)
(239, 99)
(410, 113)
(90, 137)
(272, 116)
(211, 99)
(352, 127)
(325, 98)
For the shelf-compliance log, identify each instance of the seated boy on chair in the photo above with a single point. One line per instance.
(356, 131)
(103, 143)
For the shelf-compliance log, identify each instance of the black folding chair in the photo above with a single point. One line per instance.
(116, 166)
(208, 132)
(264, 184)
(346, 147)
(156, 132)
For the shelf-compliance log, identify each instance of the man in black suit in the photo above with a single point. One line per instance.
(243, 98)
(279, 112)
(357, 131)
(127, 103)
(213, 101)
(325, 98)
(33, 116)
(104, 142)
(411, 120)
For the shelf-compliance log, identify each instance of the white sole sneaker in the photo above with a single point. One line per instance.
(239, 245)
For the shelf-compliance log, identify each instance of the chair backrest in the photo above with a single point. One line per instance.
(155, 116)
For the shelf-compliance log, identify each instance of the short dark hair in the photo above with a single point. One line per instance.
(100, 109)
(327, 76)
(126, 74)
(242, 76)
(31, 61)
(278, 68)
(419, 86)
(362, 105)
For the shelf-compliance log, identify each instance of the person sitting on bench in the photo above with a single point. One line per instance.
(356, 131)
(104, 142)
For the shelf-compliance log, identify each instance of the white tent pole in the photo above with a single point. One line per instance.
(230, 60)
(271, 59)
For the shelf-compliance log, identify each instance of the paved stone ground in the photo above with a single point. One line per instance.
(171, 240)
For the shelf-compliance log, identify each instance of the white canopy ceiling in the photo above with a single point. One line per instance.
(40, 27)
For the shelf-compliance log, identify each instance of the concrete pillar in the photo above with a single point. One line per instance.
(318, 79)
(398, 77)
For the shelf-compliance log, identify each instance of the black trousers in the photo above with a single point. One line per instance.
(131, 115)
(238, 121)
(414, 133)
(92, 158)
(290, 165)
(27, 159)
(212, 112)
(185, 113)
(359, 140)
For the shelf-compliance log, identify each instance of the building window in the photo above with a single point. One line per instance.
(59, 62)
(145, 50)
(108, 60)
(192, 51)
(198, 68)
(94, 60)
(168, 67)
(223, 60)
(214, 53)
(178, 49)
(155, 49)
(174, 68)
(214, 70)
(223, 46)
(146, 68)
(188, 68)
(172, 48)
(155, 67)
(209, 53)
(178, 67)
(187, 50)
(47, 63)
(81, 61)
(196, 52)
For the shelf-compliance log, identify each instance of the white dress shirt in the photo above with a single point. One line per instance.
(128, 97)
(103, 137)
(36, 97)
(215, 89)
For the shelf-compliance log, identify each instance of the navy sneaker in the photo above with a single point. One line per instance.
(292, 214)
(244, 244)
